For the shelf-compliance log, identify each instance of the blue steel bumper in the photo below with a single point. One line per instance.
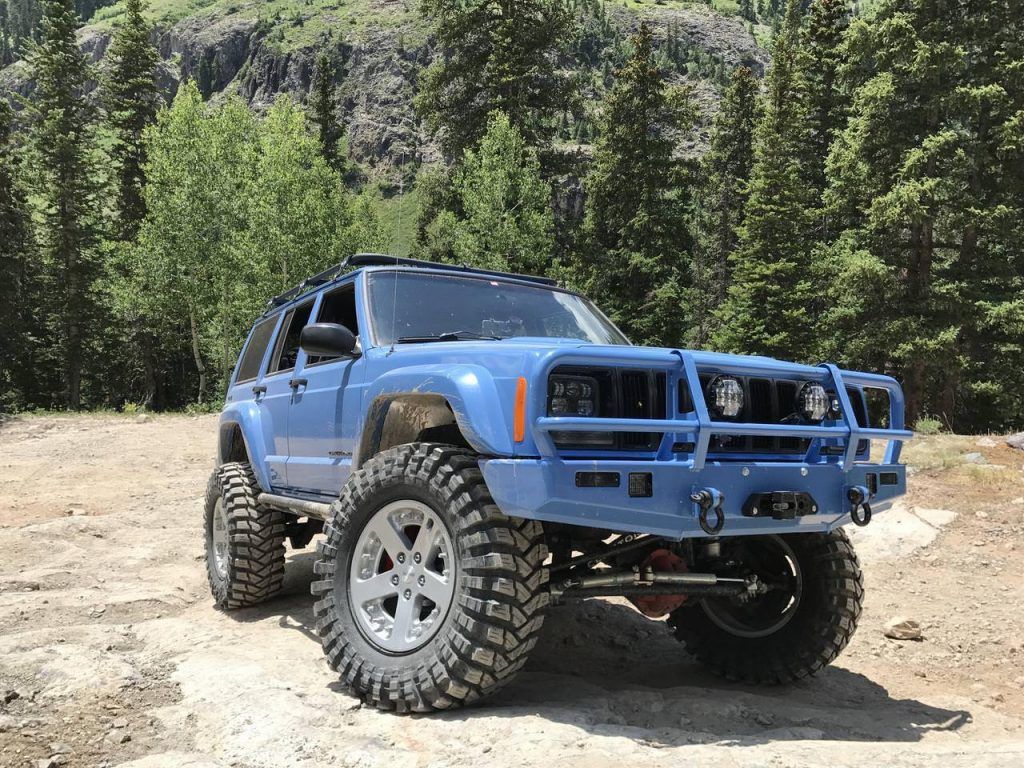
(545, 488)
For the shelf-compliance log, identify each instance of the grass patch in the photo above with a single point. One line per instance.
(295, 23)
(399, 214)
(727, 7)
(937, 451)
(162, 12)
(928, 426)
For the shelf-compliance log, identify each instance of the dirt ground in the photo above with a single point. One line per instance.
(112, 654)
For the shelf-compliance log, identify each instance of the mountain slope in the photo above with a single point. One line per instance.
(261, 49)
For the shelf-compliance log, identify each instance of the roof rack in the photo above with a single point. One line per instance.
(380, 260)
(384, 260)
(308, 284)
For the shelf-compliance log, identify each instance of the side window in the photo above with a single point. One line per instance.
(249, 365)
(339, 307)
(287, 351)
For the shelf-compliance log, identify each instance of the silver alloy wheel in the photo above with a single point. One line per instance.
(402, 581)
(219, 534)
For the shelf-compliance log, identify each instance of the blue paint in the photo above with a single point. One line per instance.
(305, 440)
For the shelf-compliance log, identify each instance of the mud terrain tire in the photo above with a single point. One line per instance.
(249, 568)
(821, 625)
(498, 588)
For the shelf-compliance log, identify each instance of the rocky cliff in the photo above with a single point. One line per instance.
(258, 50)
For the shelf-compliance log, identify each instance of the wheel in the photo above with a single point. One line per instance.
(794, 630)
(430, 598)
(244, 540)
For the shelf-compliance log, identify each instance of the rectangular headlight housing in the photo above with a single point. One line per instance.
(576, 396)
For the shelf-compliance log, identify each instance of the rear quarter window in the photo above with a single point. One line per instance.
(249, 365)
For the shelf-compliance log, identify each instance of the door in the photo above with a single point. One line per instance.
(280, 386)
(326, 408)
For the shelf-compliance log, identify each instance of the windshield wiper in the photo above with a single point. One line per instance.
(448, 336)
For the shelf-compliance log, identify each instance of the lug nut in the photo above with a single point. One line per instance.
(394, 579)
(416, 558)
(408, 594)
(421, 580)
(401, 557)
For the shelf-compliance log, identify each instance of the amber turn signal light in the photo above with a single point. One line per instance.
(519, 415)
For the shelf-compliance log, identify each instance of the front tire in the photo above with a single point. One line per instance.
(244, 540)
(779, 638)
(431, 598)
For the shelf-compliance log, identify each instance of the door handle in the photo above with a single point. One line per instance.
(259, 389)
(296, 383)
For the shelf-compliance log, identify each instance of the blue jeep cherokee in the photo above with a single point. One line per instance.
(477, 445)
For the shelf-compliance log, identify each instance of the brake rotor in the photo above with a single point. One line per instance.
(656, 606)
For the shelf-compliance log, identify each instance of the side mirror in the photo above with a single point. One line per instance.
(327, 340)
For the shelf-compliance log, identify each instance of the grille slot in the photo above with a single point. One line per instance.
(860, 410)
(763, 409)
(643, 397)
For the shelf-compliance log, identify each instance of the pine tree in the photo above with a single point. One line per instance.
(826, 21)
(500, 55)
(928, 181)
(131, 99)
(635, 230)
(723, 198)
(325, 112)
(16, 296)
(62, 124)
(6, 49)
(766, 309)
(747, 10)
(21, 24)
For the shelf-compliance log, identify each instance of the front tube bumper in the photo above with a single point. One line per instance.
(546, 488)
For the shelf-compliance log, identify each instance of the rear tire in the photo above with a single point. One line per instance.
(798, 642)
(466, 634)
(244, 540)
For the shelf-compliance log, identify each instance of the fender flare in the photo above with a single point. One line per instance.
(246, 416)
(470, 391)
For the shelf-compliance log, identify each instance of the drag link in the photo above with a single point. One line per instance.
(657, 582)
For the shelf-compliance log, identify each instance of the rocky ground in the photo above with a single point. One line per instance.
(111, 652)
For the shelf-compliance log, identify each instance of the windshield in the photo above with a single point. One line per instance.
(408, 307)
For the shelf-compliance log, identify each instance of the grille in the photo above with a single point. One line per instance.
(768, 401)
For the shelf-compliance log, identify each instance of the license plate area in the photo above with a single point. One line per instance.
(780, 505)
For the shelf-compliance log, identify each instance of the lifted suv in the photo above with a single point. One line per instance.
(476, 445)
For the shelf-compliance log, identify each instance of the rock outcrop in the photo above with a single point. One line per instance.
(229, 52)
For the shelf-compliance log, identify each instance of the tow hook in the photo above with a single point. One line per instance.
(860, 510)
(709, 500)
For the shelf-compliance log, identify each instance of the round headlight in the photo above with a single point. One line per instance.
(725, 397)
(813, 402)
